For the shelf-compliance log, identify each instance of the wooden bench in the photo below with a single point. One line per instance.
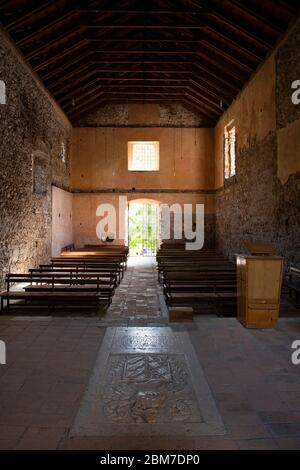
(106, 257)
(223, 302)
(88, 266)
(59, 278)
(203, 271)
(201, 287)
(104, 293)
(42, 284)
(53, 299)
(106, 247)
(106, 277)
(192, 298)
(75, 277)
(190, 279)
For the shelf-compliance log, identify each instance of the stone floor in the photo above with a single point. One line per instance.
(138, 300)
(54, 363)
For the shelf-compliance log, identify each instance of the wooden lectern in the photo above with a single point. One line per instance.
(259, 279)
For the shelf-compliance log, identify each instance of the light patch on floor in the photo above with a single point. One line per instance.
(147, 381)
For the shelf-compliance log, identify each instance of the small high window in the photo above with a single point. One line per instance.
(143, 156)
(229, 150)
(2, 92)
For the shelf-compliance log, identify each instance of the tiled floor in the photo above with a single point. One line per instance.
(50, 362)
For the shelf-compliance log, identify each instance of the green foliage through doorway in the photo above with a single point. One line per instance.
(142, 229)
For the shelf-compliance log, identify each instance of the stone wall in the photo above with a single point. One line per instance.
(133, 115)
(33, 132)
(241, 205)
(287, 70)
(287, 227)
(262, 201)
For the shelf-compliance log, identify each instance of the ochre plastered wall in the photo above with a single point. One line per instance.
(85, 207)
(100, 159)
(100, 162)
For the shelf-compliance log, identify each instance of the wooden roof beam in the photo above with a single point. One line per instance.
(87, 101)
(21, 19)
(201, 110)
(210, 110)
(27, 38)
(263, 19)
(40, 64)
(73, 116)
(76, 62)
(229, 71)
(56, 42)
(90, 87)
(210, 103)
(220, 11)
(217, 94)
(70, 77)
(156, 11)
(72, 85)
(152, 83)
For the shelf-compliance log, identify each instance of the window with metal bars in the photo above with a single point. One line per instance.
(143, 156)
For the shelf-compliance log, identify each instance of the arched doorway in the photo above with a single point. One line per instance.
(143, 227)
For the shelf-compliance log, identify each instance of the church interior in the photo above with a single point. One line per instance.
(149, 225)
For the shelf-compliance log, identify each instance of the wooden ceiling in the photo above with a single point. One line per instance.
(201, 53)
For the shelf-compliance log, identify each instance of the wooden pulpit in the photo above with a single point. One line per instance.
(259, 279)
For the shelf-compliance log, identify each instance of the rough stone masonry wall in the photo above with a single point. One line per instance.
(247, 204)
(288, 117)
(169, 115)
(32, 130)
(257, 204)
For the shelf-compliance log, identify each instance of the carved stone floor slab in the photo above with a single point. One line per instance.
(147, 381)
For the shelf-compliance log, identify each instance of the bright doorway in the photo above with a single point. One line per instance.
(142, 228)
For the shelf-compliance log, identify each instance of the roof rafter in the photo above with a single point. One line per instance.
(201, 53)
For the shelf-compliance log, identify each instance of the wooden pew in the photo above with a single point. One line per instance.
(52, 277)
(190, 278)
(53, 299)
(89, 264)
(105, 255)
(88, 277)
(42, 284)
(192, 298)
(106, 276)
(106, 247)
